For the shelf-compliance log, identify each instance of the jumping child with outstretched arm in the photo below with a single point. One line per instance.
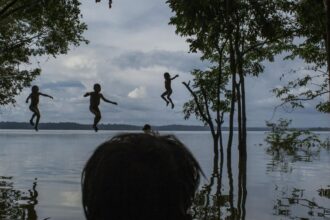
(168, 88)
(34, 96)
(95, 98)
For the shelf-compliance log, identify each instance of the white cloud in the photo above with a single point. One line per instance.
(138, 93)
(80, 62)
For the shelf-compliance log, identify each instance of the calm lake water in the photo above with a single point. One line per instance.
(40, 177)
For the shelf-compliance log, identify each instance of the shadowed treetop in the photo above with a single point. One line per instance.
(34, 28)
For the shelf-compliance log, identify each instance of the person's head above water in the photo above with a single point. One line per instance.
(146, 127)
(140, 177)
(97, 87)
(166, 75)
(35, 89)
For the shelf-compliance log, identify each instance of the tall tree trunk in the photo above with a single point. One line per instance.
(240, 144)
(231, 186)
(221, 150)
(216, 145)
(233, 98)
(239, 113)
(243, 113)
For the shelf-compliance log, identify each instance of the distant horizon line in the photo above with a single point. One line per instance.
(120, 126)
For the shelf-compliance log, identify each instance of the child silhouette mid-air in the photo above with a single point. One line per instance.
(168, 88)
(34, 96)
(95, 102)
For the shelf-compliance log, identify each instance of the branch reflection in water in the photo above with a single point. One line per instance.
(15, 203)
(294, 204)
(286, 147)
(214, 201)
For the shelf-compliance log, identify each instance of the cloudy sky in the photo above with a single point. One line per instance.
(131, 46)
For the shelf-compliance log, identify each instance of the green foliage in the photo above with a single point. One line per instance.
(235, 37)
(311, 86)
(206, 90)
(309, 24)
(258, 26)
(34, 28)
(309, 20)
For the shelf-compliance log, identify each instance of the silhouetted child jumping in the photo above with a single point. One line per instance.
(34, 96)
(168, 88)
(95, 102)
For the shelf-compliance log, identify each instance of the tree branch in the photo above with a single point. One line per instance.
(200, 110)
(18, 44)
(10, 4)
(210, 122)
(25, 6)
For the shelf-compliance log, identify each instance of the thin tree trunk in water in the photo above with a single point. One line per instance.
(241, 147)
(233, 99)
(221, 148)
(243, 113)
(208, 188)
(206, 117)
(219, 118)
(244, 187)
(231, 185)
(216, 145)
(239, 114)
(221, 163)
(231, 131)
(242, 191)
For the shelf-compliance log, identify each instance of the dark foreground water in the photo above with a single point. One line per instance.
(40, 178)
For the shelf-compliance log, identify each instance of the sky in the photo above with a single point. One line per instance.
(130, 48)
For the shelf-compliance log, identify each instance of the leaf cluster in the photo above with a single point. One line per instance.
(309, 24)
(310, 86)
(31, 28)
(205, 86)
(231, 35)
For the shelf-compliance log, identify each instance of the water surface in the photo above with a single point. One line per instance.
(40, 177)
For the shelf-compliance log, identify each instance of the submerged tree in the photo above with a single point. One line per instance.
(287, 145)
(30, 28)
(235, 37)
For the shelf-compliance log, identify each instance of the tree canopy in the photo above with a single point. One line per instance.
(310, 40)
(31, 28)
(235, 37)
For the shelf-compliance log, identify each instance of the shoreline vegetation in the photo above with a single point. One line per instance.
(127, 127)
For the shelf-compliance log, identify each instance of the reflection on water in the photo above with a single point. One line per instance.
(287, 146)
(264, 185)
(17, 204)
(211, 203)
(292, 203)
(324, 192)
(216, 200)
